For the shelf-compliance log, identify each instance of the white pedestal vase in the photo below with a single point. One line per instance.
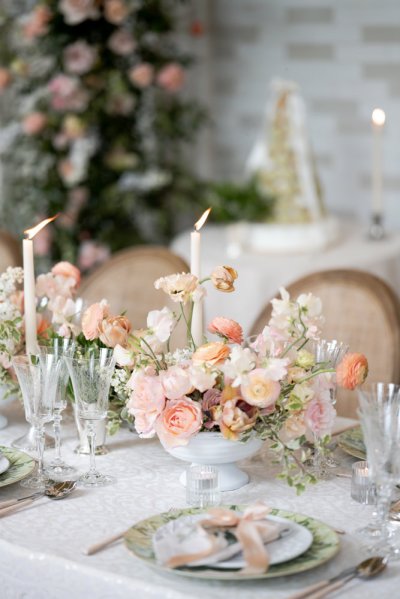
(213, 449)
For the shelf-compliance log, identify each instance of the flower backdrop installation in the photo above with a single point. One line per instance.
(94, 124)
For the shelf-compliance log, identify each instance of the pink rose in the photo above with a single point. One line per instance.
(37, 23)
(171, 77)
(146, 403)
(92, 318)
(176, 382)
(34, 123)
(77, 11)
(68, 270)
(259, 390)
(114, 330)
(181, 419)
(142, 75)
(115, 11)
(79, 57)
(319, 416)
(227, 328)
(5, 78)
(121, 42)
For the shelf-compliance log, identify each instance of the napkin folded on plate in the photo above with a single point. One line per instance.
(205, 541)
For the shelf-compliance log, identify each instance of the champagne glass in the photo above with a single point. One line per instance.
(91, 374)
(58, 348)
(38, 378)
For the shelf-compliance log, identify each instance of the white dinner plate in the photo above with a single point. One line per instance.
(4, 464)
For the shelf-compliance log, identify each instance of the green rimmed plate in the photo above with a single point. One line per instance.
(351, 441)
(21, 465)
(325, 545)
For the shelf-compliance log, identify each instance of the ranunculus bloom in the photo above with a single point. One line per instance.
(5, 78)
(223, 278)
(211, 353)
(36, 25)
(77, 11)
(92, 318)
(115, 11)
(146, 403)
(171, 77)
(179, 287)
(352, 371)
(234, 415)
(181, 419)
(259, 390)
(176, 382)
(114, 330)
(34, 123)
(227, 328)
(66, 269)
(121, 42)
(320, 416)
(141, 75)
(79, 57)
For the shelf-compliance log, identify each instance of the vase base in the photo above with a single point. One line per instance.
(230, 477)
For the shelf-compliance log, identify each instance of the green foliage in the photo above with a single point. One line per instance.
(231, 202)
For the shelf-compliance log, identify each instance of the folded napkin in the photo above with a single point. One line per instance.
(186, 541)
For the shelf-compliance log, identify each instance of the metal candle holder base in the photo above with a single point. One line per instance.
(376, 231)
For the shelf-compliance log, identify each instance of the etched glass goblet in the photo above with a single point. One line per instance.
(38, 378)
(91, 373)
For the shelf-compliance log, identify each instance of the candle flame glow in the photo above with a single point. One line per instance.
(30, 233)
(202, 219)
(378, 117)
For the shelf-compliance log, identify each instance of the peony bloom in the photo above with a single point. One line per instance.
(115, 11)
(320, 416)
(5, 78)
(171, 77)
(146, 403)
(34, 123)
(211, 353)
(227, 328)
(223, 278)
(77, 11)
(37, 23)
(121, 42)
(161, 323)
(79, 57)
(92, 318)
(114, 330)
(66, 269)
(352, 371)
(259, 390)
(181, 419)
(179, 287)
(141, 75)
(176, 382)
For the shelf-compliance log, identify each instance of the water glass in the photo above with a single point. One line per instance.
(202, 489)
(363, 488)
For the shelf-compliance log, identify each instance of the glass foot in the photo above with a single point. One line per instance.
(28, 442)
(95, 479)
(37, 482)
(58, 469)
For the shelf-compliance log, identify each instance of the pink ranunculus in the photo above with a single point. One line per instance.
(68, 270)
(141, 75)
(227, 328)
(34, 123)
(115, 11)
(37, 22)
(92, 318)
(176, 382)
(171, 77)
(5, 78)
(259, 390)
(79, 57)
(114, 330)
(121, 42)
(181, 419)
(320, 416)
(146, 403)
(92, 253)
(77, 11)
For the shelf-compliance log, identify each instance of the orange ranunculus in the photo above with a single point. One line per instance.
(352, 371)
(114, 330)
(42, 326)
(92, 318)
(228, 328)
(223, 278)
(211, 353)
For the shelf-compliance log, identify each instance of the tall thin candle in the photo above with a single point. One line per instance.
(195, 269)
(378, 122)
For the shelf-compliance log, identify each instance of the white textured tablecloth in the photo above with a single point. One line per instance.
(260, 275)
(41, 546)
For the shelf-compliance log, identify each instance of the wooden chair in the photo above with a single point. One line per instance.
(126, 280)
(10, 251)
(361, 310)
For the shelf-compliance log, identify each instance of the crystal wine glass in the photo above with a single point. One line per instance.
(380, 421)
(38, 378)
(91, 374)
(58, 348)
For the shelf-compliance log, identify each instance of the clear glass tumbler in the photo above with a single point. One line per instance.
(202, 488)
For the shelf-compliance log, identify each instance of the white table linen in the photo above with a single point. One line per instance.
(41, 546)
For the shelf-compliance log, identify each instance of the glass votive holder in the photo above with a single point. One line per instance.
(363, 489)
(202, 489)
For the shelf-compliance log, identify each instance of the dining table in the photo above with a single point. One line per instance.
(42, 546)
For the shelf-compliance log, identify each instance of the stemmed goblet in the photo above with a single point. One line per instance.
(38, 378)
(91, 373)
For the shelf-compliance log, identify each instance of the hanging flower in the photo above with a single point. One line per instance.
(121, 42)
(115, 11)
(141, 75)
(5, 78)
(77, 11)
(79, 57)
(171, 77)
(34, 123)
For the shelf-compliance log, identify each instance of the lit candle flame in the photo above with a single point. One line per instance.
(30, 233)
(378, 117)
(202, 219)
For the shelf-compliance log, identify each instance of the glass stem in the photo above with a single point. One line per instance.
(39, 431)
(383, 506)
(57, 434)
(91, 435)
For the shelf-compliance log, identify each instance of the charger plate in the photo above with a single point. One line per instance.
(21, 465)
(351, 441)
(325, 545)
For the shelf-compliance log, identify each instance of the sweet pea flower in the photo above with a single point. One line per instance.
(176, 382)
(124, 356)
(146, 403)
(320, 416)
(223, 278)
(240, 362)
(259, 390)
(276, 368)
(179, 287)
(92, 318)
(227, 328)
(202, 379)
(161, 323)
(181, 419)
(352, 371)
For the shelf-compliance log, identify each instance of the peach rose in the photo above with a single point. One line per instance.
(352, 371)
(146, 403)
(181, 419)
(115, 11)
(92, 318)
(171, 77)
(5, 78)
(68, 270)
(227, 328)
(141, 75)
(259, 390)
(223, 278)
(34, 123)
(114, 330)
(211, 353)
